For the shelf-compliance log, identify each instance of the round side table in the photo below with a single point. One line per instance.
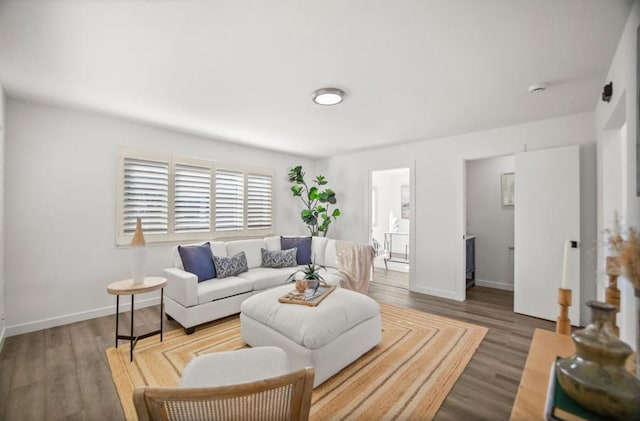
(127, 287)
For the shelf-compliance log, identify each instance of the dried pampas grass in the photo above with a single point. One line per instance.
(614, 234)
(630, 258)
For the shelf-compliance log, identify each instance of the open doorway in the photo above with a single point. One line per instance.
(534, 225)
(489, 236)
(390, 224)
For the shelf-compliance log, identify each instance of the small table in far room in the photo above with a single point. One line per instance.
(127, 287)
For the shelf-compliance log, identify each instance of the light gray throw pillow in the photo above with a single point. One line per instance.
(230, 266)
(279, 259)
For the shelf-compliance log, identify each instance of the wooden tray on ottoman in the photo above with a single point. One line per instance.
(311, 301)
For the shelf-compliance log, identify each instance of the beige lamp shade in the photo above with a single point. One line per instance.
(138, 254)
(138, 236)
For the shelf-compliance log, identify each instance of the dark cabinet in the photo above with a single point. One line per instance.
(471, 261)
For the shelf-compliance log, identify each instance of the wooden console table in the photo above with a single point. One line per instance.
(532, 392)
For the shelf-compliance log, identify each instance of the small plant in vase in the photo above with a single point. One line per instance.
(311, 279)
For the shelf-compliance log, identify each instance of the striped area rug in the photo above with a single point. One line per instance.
(407, 376)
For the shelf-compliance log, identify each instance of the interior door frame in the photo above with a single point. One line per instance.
(411, 165)
(462, 282)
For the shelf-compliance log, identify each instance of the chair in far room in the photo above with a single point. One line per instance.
(377, 247)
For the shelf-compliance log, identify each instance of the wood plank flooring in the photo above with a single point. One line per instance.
(62, 372)
(391, 277)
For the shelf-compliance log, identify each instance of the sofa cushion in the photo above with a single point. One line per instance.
(279, 259)
(273, 243)
(330, 255)
(219, 248)
(251, 250)
(230, 265)
(216, 289)
(198, 260)
(262, 278)
(318, 247)
(303, 256)
(331, 276)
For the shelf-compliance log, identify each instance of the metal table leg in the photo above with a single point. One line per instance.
(132, 336)
(161, 311)
(133, 339)
(117, 317)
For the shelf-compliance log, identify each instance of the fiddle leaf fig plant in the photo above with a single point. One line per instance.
(317, 201)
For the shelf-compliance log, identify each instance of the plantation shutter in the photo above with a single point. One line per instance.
(229, 200)
(192, 198)
(146, 195)
(258, 201)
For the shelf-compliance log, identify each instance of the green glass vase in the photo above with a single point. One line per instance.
(595, 376)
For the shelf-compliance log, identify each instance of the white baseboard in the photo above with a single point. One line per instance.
(436, 292)
(76, 317)
(494, 284)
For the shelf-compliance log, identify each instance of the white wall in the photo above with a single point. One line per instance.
(388, 184)
(490, 221)
(437, 226)
(60, 208)
(611, 118)
(2, 139)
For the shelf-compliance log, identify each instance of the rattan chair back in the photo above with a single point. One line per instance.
(286, 397)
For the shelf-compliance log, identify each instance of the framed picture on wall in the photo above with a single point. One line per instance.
(507, 183)
(405, 209)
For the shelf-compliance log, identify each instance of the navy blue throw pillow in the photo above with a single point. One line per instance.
(303, 256)
(198, 260)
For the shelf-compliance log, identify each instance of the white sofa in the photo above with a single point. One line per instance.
(191, 303)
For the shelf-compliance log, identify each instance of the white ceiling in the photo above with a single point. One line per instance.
(244, 70)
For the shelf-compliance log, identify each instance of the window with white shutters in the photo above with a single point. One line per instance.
(146, 195)
(258, 201)
(229, 200)
(192, 198)
(188, 199)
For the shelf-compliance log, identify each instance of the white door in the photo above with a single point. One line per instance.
(547, 213)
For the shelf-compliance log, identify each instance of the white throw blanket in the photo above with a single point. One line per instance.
(356, 264)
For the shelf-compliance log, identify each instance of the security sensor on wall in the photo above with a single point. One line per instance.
(607, 92)
(537, 88)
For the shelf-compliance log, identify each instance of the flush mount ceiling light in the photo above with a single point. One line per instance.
(327, 96)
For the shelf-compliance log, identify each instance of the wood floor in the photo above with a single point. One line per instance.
(62, 372)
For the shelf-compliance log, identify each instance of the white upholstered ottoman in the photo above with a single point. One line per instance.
(330, 336)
